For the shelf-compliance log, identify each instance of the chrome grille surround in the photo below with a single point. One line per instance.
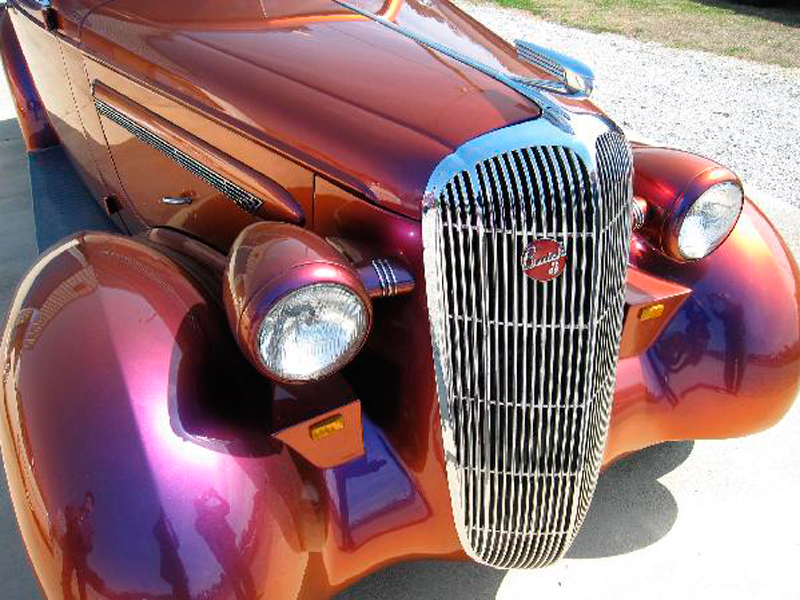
(525, 370)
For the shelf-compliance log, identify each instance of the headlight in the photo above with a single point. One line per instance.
(710, 220)
(296, 305)
(312, 332)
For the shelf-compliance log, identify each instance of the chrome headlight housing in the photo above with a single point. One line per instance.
(296, 305)
(709, 220)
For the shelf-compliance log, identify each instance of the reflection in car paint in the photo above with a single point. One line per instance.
(713, 328)
(172, 569)
(212, 525)
(371, 487)
(77, 542)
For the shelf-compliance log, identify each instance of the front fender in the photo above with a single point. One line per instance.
(728, 363)
(108, 348)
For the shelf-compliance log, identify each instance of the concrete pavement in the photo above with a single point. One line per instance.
(681, 520)
(17, 251)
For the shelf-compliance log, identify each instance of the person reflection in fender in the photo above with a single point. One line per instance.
(76, 544)
(682, 348)
(731, 315)
(172, 569)
(213, 527)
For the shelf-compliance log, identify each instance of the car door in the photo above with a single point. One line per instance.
(179, 164)
(49, 38)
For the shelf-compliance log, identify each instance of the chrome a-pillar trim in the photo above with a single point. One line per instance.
(522, 451)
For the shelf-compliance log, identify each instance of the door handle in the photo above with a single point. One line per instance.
(176, 200)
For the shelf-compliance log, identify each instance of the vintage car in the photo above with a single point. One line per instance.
(363, 283)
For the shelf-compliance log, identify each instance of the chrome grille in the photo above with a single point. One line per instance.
(526, 369)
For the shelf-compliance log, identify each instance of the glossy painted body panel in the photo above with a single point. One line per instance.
(45, 56)
(277, 203)
(37, 133)
(70, 12)
(190, 495)
(337, 446)
(645, 291)
(211, 216)
(156, 345)
(728, 364)
(93, 138)
(393, 375)
(336, 101)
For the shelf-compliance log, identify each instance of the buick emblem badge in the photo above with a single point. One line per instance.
(544, 260)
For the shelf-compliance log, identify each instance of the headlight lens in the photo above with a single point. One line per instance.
(312, 332)
(710, 220)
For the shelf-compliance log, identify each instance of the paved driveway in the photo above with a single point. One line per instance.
(17, 250)
(681, 520)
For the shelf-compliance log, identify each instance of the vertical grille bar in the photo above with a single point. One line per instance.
(526, 368)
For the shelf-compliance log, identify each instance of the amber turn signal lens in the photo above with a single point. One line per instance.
(327, 427)
(654, 311)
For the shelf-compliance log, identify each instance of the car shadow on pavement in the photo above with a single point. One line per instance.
(630, 511)
(18, 247)
(428, 579)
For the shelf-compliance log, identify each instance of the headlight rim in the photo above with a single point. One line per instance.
(293, 280)
(343, 358)
(698, 187)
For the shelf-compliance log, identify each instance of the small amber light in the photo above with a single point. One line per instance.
(654, 311)
(327, 427)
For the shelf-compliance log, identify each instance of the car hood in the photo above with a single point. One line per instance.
(355, 101)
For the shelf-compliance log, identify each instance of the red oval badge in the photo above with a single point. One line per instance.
(544, 260)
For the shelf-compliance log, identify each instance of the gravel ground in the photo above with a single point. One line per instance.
(742, 114)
